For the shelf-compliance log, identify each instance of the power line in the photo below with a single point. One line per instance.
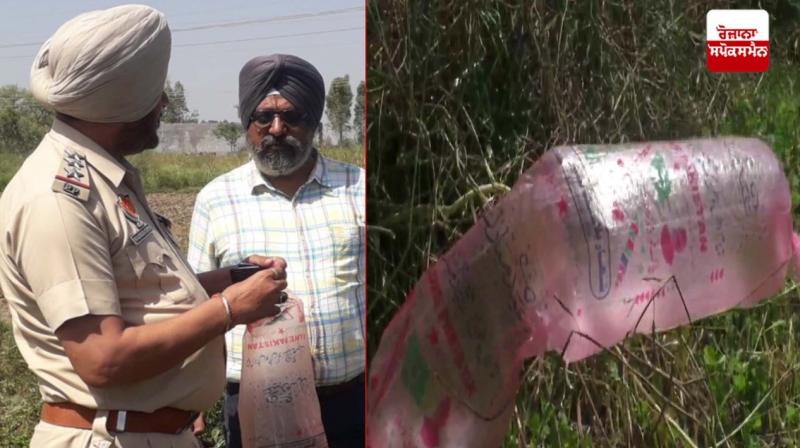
(24, 44)
(27, 56)
(289, 18)
(200, 44)
(74, 11)
(271, 19)
(277, 36)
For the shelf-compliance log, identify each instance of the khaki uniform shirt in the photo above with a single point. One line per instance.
(76, 238)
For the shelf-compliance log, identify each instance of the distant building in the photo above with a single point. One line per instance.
(193, 138)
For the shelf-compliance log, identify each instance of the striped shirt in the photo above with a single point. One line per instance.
(320, 233)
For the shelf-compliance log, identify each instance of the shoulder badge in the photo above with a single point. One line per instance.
(72, 177)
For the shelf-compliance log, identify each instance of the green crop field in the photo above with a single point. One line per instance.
(190, 172)
(463, 94)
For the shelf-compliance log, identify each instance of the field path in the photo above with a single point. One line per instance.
(178, 208)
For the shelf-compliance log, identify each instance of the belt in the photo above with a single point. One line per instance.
(164, 420)
(326, 391)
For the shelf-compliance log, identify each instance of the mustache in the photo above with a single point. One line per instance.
(286, 142)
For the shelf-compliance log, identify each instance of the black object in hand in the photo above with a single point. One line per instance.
(243, 270)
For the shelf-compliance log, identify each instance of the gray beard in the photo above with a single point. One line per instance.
(278, 159)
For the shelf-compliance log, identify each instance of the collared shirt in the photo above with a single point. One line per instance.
(320, 233)
(77, 238)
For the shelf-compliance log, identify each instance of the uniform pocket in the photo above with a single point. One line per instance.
(157, 276)
(147, 253)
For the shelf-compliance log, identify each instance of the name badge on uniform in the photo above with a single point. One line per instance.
(129, 210)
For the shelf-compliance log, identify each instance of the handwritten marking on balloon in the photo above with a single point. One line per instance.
(718, 221)
(288, 356)
(528, 291)
(694, 186)
(284, 392)
(496, 229)
(716, 275)
(456, 269)
(595, 233)
(449, 332)
(463, 297)
(627, 253)
(747, 186)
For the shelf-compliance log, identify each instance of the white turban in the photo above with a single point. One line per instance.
(104, 66)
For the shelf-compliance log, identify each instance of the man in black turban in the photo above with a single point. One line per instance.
(278, 80)
(291, 201)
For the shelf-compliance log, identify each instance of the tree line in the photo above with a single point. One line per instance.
(23, 121)
(344, 112)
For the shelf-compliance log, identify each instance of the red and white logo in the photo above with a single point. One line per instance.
(737, 40)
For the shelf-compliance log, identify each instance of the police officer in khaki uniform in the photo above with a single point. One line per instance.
(123, 337)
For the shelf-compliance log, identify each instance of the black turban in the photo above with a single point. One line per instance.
(296, 80)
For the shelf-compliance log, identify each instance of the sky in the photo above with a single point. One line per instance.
(211, 41)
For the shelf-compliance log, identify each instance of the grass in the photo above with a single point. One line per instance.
(469, 98)
(19, 410)
(9, 164)
(703, 385)
(168, 172)
(163, 172)
(350, 154)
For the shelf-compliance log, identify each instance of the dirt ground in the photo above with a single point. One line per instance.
(178, 208)
(175, 206)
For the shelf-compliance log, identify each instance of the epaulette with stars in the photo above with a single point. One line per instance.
(72, 177)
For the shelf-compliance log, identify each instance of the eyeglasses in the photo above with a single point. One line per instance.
(264, 118)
